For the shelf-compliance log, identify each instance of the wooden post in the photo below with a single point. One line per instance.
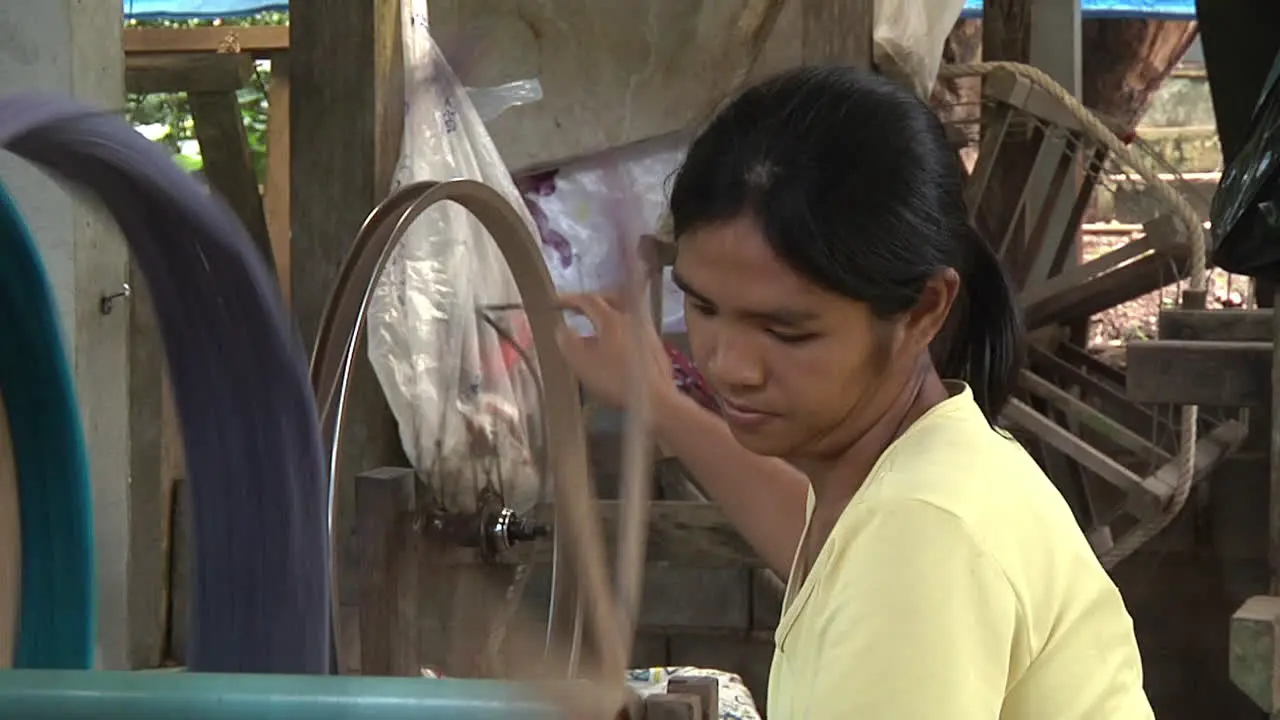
(1274, 515)
(386, 501)
(275, 196)
(228, 163)
(347, 115)
(837, 31)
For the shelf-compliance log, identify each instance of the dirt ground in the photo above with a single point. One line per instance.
(1109, 331)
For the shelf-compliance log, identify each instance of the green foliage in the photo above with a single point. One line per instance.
(171, 112)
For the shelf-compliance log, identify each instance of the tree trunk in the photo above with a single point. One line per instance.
(1124, 62)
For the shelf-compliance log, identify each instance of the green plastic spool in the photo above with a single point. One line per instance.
(87, 695)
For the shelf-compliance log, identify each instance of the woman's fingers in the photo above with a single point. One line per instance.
(593, 307)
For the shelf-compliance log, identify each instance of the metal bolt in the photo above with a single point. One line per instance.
(107, 303)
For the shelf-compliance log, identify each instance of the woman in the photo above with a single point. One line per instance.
(934, 571)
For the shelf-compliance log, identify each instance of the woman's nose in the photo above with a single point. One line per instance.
(734, 364)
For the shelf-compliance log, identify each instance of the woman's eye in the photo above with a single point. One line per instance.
(701, 309)
(791, 338)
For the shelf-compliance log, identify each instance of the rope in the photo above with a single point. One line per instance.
(58, 617)
(1198, 281)
(260, 595)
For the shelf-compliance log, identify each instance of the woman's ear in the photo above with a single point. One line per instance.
(929, 316)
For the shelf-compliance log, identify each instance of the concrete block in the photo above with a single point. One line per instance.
(1252, 661)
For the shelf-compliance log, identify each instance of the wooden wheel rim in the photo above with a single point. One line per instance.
(579, 535)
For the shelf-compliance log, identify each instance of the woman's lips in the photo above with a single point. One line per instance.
(743, 417)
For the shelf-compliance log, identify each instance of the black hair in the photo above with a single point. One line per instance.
(855, 185)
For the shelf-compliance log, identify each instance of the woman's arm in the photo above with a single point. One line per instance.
(763, 497)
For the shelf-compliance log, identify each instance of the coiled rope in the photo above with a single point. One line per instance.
(57, 623)
(1197, 281)
(260, 596)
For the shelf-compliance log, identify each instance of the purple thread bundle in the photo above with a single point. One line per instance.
(260, 600)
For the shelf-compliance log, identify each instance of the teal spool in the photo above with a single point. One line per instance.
(57, 621)
(61, 695)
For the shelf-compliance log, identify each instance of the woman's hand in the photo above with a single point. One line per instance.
(603, 362)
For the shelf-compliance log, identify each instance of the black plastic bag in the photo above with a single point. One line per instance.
(1246, 208)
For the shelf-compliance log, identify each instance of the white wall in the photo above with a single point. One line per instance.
(75, 47)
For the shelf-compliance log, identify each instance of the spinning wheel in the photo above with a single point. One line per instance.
(581, 578)
(1123, 465)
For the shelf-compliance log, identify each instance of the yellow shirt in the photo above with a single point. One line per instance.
(956, 586)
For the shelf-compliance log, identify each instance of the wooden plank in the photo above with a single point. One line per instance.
(226, 72)
(1187, 372)
(1211, 449)
(386, 505)
(346, 120)
(249, 39)
(228, 165)
(276, 194)
(1109, 397)
(1229, 325)
(1092, 419)
(836, 32)
(1253, 650)
(1273, 517)
(1146, 274)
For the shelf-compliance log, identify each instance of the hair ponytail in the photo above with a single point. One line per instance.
(984, 347)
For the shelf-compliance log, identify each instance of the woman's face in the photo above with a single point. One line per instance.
(797, 368)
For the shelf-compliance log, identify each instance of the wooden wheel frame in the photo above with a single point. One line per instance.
(579, 536)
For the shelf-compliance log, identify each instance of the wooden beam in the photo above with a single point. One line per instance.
(255, 40)
(226, 72)
(836, 31)
(1092, 419)
(1273, 519)
(228, 162)
(1214, 374)
(1135, 269)
(275, 196)
(386, 506)
(346, 80)
(1228, 325)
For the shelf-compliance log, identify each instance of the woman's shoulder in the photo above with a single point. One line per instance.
(956, 463)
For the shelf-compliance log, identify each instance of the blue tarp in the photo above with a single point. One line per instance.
(1169, 9)
(1164, 9)
(187, 9)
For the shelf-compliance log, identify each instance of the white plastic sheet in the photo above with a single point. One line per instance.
(908, 37)
(585, 207)
(463, 392)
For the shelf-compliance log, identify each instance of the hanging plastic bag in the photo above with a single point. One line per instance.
(908, 37)
(1245, 213)
(455, 363)
(590, 212)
